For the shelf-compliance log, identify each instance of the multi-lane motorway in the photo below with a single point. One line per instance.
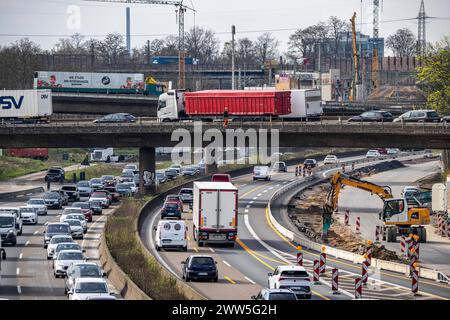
(260, 249)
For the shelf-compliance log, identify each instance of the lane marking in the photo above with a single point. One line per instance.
(226, 263)
(251, 202)
(265, 191)
(229, 279)
(17, 271)
(195, 249)
(211, 249)
(271, 188)
(19, 290)
(248, 206)
(259, 194)
(36, 232)
(20, 256)
(277, 185)
(27, 243)
(254, 198)
(250, 280)
(246, 210)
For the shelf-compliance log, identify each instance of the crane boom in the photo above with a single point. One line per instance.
(355, 59)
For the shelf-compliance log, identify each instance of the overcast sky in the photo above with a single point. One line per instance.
(44, 21)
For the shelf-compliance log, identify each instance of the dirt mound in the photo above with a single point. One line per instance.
(394, 93)
(381, 167)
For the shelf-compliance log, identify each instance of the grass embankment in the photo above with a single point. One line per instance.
(95, 171)
(142, 269)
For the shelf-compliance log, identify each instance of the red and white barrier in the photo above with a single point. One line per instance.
(316, 274)
(323, 263)
(335, 281)
(415, 281)
(408, 242)
(300, 258)
(448, 227)
(347, 218)
(416, 245)
(440, 224)
(365, 270)
(403, 245)
(358, 225)
(358, 288)
(369, 253)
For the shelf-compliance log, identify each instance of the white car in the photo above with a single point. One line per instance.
(29, 215)
(64, 259)
(68, 211)
(82, 270)
(101, 198)
(291, 277)
(176, 167)
(39, 204)
(133, 187)
(67, 246)
(132, 167)
(54, 241)
(75, 228)
(373, 154)
(330, 159)
(171, 234)
(392, 151)
(261, 173)
(410, 189)
(428, 153)
(89, 288)
(78, 216)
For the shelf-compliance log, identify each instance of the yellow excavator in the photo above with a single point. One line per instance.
(399, 217)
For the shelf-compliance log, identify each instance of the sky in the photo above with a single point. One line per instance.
(45, 21)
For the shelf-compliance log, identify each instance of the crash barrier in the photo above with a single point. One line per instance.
(415, 281)
(300, 258)
(358, 288)
(316, 272)
(377, 234)
(299, 239)
(335, 281)
(17, 194)
(358, 225)
(347, 218)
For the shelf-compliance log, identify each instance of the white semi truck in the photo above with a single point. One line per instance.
(215, 213)
(306, 104)
(25, 106)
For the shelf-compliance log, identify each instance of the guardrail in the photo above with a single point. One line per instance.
(15, 194)
(339, 253)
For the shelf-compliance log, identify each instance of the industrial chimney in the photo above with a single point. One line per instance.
(128, 22)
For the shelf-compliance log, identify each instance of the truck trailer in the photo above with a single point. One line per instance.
(210, 105)
(25, 106)
(306, 104)
(215, 213)
(33, 153)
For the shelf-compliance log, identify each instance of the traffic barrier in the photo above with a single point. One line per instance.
(335, 281)
(377, 234)
(383, 233)
(347, 218)
(402, 245)
(412, 260)
(439, 224)
(448, 227)
(369, 251)
(300, 258)
(415, 280)
(408, 242)
(323, 261)
(316, 273)
(444, 226)
(358, 225)
(416, 245)
(358, 288)
(365, 270)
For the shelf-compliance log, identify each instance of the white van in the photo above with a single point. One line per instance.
(261, 173)
(171, 234)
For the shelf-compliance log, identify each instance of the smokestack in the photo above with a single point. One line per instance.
(128, 22)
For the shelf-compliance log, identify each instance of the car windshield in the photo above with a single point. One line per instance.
(159, 175)
(83, 184)
(60, 240)
(70, 255)
(433, 115)
(282, 296)
(104, 178)
(73, 222)
(67, 246)
(96, 181)
(51, 195)
(91, 287)
(82, 205)
(75, 216)
(87, 271)
(26, 209)
(123, 186)
(6, 221)
(36, 201)
(128, 174)
(171, 206)
(99, 195)
(58, 228)
(186, 191)
(54, 171)
(94, 204)
(72, 210)
(202, 261)
(69, 188)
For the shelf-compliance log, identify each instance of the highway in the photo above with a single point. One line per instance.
(435, 254)
(260, 249)
(27, 274)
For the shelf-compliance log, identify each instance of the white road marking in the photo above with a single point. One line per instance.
(246, 210)
(19, 290)
(265, 191)
(211, 249)
(251, 202)
(248, 206)
(27, 243)
(36, 232)
(254, 198)
(20, 256)
(250, 280)
(226, 263)
(271, 188)
(46, 223)
(17, 271)
(259, 194)
(277, 185)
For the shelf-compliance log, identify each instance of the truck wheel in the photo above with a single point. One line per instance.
(230, 245)
(422, 233)
(200, 244)
(20, 232)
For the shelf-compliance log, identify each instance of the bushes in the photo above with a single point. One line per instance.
(142, 269)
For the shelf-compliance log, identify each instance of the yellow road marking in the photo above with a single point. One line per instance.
(229, 279)
(195, 249)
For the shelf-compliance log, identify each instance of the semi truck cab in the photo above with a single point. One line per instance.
(171, 106)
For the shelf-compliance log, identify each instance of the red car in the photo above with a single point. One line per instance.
(382, 150)
(221, 177)
(171, 209)
(174, 198)
(86, 207)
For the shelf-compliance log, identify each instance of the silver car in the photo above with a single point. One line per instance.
(84, 188)
(39, 204)
(29, 215)
(78, 216)
(75, 228)
(64, 259)
(82, 270)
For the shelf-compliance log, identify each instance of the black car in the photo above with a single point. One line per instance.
(171, 174)
(54, 175)
(200, 267)
(170, 210)
(419, 116)
(53, 200)
(96, 207)
(116, 118)
(310, 163)
(373, 116)
(64, 196)
(72, 192)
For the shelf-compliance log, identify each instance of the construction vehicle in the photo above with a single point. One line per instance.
(355, 80)
(399, 217)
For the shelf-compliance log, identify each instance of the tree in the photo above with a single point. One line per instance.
(73, 45)
(434, 77)
(266, 47)
(202, 44)
(112, 48)
(304, 42)
(245, 52)
(337, 29)
(402, 43)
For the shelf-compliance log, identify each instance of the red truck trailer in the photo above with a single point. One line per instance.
(202, 105)
(34, 153)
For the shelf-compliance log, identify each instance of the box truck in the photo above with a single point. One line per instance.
(25, 106)
(306, 104)
(215, 213)
(210, 105)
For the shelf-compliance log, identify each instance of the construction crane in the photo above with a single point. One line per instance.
(355, 79)
(399, 216)
(376, 35)
(180, 10)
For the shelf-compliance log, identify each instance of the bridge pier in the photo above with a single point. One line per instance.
(147, 168)
(210, 161)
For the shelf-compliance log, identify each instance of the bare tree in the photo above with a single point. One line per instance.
(202, 44)
(337, 29)
(73, 45)
(246, 52)
(112, 48)
(402, 43)
(266, 47)
(304, 42)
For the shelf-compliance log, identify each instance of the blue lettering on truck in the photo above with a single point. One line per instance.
(7, 102)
